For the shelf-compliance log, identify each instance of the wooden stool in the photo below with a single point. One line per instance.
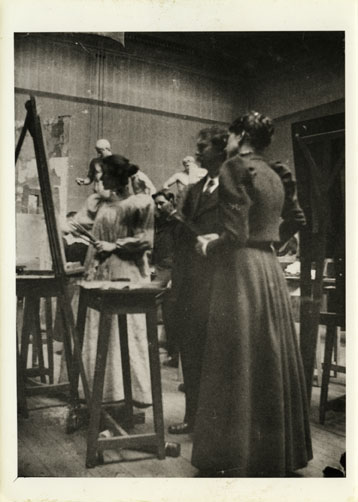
(32, 288)
(332, 321)
(31, 326)
(120, 302)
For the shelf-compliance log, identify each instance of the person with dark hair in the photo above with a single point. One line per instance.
(123, 229)
(252, 418)
(164, 236)
(167, 229)
(200, 216)
(258, 129)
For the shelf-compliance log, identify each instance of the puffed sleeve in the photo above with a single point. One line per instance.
(293, 218)
(235, 200)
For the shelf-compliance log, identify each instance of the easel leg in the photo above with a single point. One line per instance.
(81, 322)
(49, 336)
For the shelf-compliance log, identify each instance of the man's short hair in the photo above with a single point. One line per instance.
(169, 196)
(217, 135)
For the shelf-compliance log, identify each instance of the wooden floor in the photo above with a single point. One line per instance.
(45, 450)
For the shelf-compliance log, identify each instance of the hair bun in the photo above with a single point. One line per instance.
(132, 169)
(257, 127)
(116, 160)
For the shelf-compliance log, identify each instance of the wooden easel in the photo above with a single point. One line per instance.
(319, 159)
(39, 284)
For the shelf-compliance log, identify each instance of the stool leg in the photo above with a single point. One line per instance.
(156, 384)
(49, 335)
(335, 352)
(319, 358)
(25, 334)
(21, 394)
(97, 393)
(126, 368)
(34, 357)
(328, 350)
(37, 339)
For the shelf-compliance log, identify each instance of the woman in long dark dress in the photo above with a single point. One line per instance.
(252, 419)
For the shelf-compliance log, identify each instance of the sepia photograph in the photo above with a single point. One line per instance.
(180, 215)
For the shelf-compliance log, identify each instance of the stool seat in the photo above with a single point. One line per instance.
(120, 302)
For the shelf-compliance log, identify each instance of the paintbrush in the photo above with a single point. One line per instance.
(83, 231)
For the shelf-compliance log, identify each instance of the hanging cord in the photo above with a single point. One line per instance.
(98, 71)
(92, 73)
(102, 93)
(100, 89)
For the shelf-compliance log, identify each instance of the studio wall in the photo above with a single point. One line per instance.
(150, 108)
(301, 93)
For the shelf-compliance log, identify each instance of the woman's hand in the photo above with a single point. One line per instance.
(105, 247)
(200, 246)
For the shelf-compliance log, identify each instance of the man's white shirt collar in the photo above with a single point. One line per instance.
(213, 186)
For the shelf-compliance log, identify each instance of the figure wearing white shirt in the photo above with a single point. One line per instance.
(211, 184)
(142, 184)
(190, 174)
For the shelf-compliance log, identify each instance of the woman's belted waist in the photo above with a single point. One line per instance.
(263, 245)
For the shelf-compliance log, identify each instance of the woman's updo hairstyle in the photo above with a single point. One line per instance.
(257, 128)
(119, 168)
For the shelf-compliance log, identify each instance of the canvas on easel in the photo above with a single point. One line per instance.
(44, 277)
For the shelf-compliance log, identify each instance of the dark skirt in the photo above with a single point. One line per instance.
(252, 418)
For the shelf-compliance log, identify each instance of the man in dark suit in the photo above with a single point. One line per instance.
(200, 215)
(167, 226)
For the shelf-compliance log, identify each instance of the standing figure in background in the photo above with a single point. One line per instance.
(103, 148)
(166, 237)
(123, 228)
(252, 418)
(94, 175)
(142, 184)
(200, 215)
(191, 174)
